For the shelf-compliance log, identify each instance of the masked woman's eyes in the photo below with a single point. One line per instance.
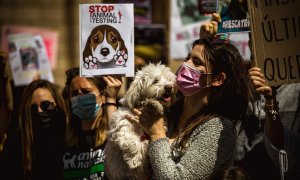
(83, 91)
(198, 62)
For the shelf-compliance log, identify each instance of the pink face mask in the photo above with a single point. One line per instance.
(188, 79)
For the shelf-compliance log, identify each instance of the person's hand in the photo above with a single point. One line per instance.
(114, 84)
(211, 27)
(258, 82)
(151, 124)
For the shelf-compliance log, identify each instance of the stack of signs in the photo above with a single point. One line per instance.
(106, 39)
(28, 58)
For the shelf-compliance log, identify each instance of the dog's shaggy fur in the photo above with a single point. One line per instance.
(126, 149)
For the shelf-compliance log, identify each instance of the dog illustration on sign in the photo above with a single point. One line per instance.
(105, 48)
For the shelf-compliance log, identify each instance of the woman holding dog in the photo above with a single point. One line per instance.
(92, 102)
(201, 136)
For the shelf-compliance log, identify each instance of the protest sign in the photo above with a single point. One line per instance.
(50, 38)
(241, 41)
(28, 58)
(186, 19)
(234, 15)
(106, 39)
(142, 11)
(276, 39)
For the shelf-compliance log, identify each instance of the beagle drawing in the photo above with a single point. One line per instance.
(105, 48)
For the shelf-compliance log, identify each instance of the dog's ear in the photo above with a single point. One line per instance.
(87, 50)
(122, 45)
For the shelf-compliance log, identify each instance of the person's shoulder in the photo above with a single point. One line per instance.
(220, 122)
(215, 127)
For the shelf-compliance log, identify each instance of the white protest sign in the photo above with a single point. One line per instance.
(28, 58)
(106, 39)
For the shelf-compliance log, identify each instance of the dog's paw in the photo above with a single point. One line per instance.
(153, 106)
(90, 63)
(120, 58)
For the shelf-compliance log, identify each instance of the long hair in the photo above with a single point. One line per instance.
(74, 128)
(229, 100)
(25, 117)
(230, 173)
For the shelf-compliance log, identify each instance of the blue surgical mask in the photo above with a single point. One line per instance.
(85, 106)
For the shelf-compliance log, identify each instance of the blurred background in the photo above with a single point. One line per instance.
(164, 29)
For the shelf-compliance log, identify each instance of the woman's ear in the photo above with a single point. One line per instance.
(219, 79)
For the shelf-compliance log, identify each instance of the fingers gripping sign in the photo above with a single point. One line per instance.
(114, 84)
(211, 27)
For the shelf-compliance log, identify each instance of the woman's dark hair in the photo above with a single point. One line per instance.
(229, 100)
(25, 117)
(231, 173)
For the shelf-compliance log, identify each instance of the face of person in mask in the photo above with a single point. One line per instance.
(86, 99)
(195, 74)
(43, 108)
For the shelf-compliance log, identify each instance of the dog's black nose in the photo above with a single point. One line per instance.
(104, 51)
(168, 88)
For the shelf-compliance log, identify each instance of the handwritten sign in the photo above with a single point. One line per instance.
(276, 39)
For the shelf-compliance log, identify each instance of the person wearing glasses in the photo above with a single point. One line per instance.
(92, 100)
(34, 149)
(201, 136)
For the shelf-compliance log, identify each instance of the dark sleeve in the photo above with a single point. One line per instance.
(11, 157)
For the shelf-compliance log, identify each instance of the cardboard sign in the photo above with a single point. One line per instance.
(234, 15)
(106, 39)
(276, 39)
(28, 58)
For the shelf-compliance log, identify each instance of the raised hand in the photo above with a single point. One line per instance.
(211, 27)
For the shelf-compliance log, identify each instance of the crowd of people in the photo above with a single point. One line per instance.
(53, 135)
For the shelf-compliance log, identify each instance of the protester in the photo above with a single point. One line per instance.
(201, 134)
(92, 101)
(32, 151)
(283, 145)
(251, 152)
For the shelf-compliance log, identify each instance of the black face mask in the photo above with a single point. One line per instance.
(43, 119)
(48, 127)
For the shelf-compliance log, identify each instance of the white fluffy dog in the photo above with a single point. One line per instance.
(126, 149)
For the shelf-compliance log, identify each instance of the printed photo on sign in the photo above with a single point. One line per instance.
(28, 58)
(234, 15)
(50, 39)
(185, 27)
(106, 39)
